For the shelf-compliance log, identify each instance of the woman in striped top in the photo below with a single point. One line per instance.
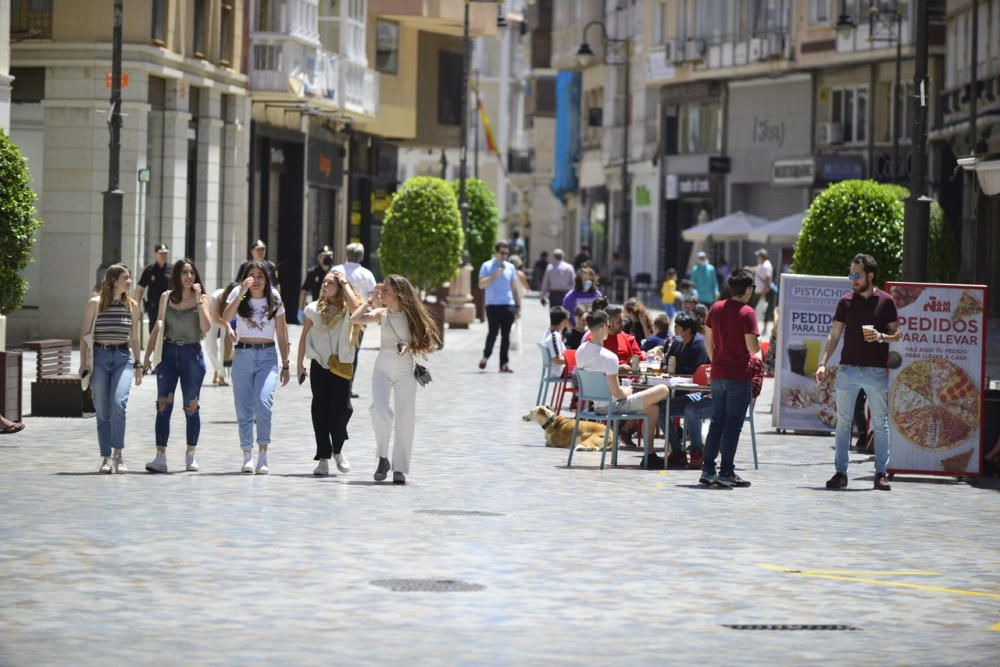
(111, 323)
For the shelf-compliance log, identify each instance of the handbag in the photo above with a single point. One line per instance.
(420, 372)
(342, 369)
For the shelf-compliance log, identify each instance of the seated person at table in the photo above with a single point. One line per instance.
(594, 356)
(553, 340)
(574, 335)
(661, 336)
(695, 407)
(621, 344)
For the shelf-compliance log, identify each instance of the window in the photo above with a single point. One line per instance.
(387, 47)
(200, 28)
(449, 88)
(266, 57)
(850, 109)
(159, 31)
(699, 127)
(226, 34)
(329, 25)
(270, 15)
(819, 12)
(28, 86)
(659, 22)
(31, 19)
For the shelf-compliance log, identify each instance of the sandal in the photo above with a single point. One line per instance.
(16, 427)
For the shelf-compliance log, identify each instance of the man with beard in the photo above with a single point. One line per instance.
(868, 321)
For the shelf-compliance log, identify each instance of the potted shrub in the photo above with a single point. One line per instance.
(18, 225)
(422, 237)
(484, 218)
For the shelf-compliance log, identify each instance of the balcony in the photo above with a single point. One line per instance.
(360, 86)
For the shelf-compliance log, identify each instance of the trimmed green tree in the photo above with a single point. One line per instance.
(422, 233)
(484, 219)
(18, 224)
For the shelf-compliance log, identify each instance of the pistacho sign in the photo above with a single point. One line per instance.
(936, 374)
(808, 304)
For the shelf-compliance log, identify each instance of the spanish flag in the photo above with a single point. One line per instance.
(491, 142)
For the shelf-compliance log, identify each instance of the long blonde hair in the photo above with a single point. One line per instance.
(111, 276)
(332, 310)
(424, 336)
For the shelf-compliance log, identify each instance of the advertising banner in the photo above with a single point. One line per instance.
(808, 304)
(936, 379)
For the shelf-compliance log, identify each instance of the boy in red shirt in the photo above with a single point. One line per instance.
(623, 345)
(731, 336)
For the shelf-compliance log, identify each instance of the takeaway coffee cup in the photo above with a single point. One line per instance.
(797, 358)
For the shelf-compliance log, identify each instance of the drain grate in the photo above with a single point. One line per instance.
(794, 626)
(427, 585)
(459, 513)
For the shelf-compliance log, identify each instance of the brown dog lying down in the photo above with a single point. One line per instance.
(559, 430)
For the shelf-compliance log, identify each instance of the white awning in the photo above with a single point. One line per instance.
(784, 231)
(732, 227)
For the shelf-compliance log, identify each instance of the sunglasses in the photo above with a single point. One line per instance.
(855, 276)
(503, 252)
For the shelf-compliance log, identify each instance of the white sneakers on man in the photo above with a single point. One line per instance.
(105, 465)
(262, 468)
(343, 465)
(189, 463)
(322, 468)
(247, 461)
(158, 464)
(118, 463)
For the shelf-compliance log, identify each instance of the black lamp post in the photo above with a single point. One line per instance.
(584, 56)
(111, 239)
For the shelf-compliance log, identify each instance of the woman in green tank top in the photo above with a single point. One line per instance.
(183, 320)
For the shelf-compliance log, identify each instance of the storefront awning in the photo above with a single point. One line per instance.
(732, 227)
(784, 230)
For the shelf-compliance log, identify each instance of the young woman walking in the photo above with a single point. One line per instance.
(183, 319)
(330, 340)
(407, 331)
(110, 328)
(218, 342)
(261, 320)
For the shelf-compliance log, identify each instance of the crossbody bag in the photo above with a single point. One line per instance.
(420, 372)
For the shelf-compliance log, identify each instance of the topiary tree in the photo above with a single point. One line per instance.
(422, 233)
(484, 218)
(18, 224)
(847, 218)
(942, 254)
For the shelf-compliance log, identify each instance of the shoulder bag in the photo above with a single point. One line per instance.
(420, 372)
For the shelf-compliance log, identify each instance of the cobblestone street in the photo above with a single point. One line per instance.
(578, 566)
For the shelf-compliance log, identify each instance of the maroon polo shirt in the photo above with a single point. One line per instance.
(854, 311)
(730, 322)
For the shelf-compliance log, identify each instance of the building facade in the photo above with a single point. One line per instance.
(5, 79)
(184, 141)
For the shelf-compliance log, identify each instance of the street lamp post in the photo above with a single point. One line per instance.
(584, 56)
(111, 240)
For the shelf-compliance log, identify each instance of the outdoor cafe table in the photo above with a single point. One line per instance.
(673, 383)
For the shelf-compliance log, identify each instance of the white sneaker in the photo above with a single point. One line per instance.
(190, 463)
(247, 462)
(323, 468)
(343, 465)
(262, 468)
(158, 464)
(105, 465)
(119, 464)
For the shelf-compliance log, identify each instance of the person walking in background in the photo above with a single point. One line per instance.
(722, 271)
(219, 340)
(516, 245)
(407, 332)
(362, 282)
(668, 293)
(585, 290)
(109, 330)
(497, 277)
(538, 270)
(183, 319)
(731, 336)
(763, 277)
(706, 282)
(153, 282)
(557, 281)
(261, 320)
(314, 280)
(258, 253)
(868, 321)
(330, 341)
(521, 287)
(582, 258)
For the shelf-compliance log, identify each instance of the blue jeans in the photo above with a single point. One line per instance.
(875, 382)
(110, 381)
(730, 401)
(694, 413)
(255, 377)
(187, 364)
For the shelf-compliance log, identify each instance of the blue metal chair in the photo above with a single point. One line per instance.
(753, 432)
(547, 379)
(593, 386)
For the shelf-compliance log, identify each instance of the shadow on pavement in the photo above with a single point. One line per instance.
(826, 490)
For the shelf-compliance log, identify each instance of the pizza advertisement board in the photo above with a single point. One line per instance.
(808, 304)
(936, 376)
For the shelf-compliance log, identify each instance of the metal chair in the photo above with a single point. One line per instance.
(753, 432)
(593, 386)
(566, 386)
(546, 379)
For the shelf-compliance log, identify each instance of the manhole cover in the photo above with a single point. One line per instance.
(784, 626)
(459, 513)
(427, 585)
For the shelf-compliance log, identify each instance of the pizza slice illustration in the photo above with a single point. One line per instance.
(904, 295)
(934, 404)
(968, 306)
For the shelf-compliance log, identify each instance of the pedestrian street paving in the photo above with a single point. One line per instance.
(540, 565)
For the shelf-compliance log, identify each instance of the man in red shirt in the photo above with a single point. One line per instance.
(730, 337)
(623, 345)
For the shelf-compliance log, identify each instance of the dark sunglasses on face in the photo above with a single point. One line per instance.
(855, 276)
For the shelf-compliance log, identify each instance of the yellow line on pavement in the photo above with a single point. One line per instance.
(881, 582)
(995, 627)
(885, 573)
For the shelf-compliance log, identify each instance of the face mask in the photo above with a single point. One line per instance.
(587, 284)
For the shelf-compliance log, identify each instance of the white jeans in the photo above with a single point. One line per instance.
(215, 342)
(393, 376)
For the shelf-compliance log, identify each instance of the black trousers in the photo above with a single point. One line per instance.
(331, 410)
(556, 298)
(500, 319)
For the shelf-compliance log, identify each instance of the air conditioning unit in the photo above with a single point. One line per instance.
(694, 50)
(756, 51)
(672, 52)
(831, 134)
(774, 48)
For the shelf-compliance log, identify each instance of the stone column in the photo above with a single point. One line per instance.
(233, 240)
(173, 220)
(208, 233)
